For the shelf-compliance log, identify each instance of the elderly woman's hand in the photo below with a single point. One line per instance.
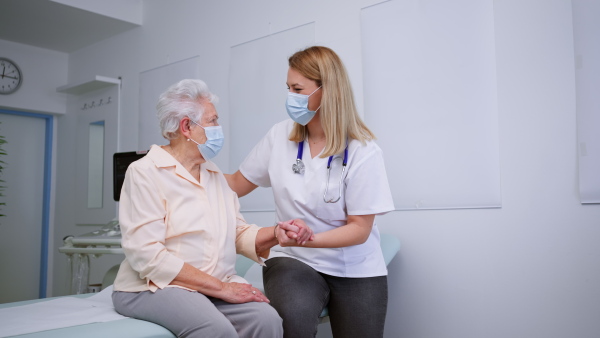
(294, 232)
(241, 293)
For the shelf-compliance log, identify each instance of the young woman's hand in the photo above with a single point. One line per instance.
(294, 232)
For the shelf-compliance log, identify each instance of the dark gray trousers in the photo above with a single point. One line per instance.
(357, 306)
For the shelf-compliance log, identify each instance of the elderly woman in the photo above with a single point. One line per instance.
(182, 227)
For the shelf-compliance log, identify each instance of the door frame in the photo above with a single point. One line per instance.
(47, 190)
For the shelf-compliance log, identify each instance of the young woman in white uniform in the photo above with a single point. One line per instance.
(342, 266)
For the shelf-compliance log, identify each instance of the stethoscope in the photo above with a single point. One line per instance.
(299, 168)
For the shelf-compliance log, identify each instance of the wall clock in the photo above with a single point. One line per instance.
(10, 76)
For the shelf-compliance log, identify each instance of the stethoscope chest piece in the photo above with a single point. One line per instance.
(298, 167)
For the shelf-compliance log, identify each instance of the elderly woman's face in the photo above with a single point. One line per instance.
(209, 119)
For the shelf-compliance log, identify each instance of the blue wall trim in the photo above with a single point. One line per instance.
(46, 194)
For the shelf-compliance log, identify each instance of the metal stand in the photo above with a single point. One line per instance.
(79, 249)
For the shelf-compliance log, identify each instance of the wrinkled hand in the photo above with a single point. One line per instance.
(294, 232)
(238, 293)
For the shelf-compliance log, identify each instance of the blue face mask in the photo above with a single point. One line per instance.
(297, 107)
(214, 141)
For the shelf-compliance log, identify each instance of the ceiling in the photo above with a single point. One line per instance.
(54, 26)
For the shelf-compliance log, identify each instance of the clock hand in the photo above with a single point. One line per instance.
(3, 70)
(10, 77)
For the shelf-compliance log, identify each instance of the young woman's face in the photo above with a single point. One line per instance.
(299, 84)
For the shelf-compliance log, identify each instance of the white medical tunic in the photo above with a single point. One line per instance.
(365, 191)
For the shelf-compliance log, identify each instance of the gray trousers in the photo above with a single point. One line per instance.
(357, 306)
(192, 314)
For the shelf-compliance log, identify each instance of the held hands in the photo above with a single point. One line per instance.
(238, 293)
(293, 233)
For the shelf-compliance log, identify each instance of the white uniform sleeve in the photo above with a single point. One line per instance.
(255, 167)
(367, 188)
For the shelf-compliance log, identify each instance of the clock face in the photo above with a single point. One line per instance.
(10, 76)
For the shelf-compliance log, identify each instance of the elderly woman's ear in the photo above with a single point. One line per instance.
(184, 127)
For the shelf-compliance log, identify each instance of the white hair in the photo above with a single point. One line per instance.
(185, 98)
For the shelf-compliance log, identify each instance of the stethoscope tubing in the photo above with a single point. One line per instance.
(298, 166)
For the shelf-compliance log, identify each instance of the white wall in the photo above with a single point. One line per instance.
(43, 71)
(527, 269)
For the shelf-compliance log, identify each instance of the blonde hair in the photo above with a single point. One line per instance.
(339, 117)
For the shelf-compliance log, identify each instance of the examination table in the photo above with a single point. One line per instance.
(134, 328)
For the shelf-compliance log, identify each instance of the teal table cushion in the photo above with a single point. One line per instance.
(128, 327)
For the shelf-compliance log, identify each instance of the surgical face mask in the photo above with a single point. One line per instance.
(297, 107)
(214, 141)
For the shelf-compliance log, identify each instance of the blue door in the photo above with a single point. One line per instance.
(25, 226)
